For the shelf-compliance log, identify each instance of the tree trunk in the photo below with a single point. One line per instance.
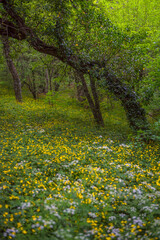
(56, 86)
(49, 74)
(34, 88)
(96, 99)
(135, 113)
(97, 117)
(12, 69)
(30, 87)
(50, 82)
(47, 82)
(80, 94)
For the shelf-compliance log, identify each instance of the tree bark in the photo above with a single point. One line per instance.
(80, 94)
(56, 86)
(96, 100)
(12, 69)
(49, 74)
(30, 87)
(50, 80)
(34, 85)
(47, 82)
(96, 114)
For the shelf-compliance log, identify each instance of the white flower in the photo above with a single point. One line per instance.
(25, 205)
(122, 215)
(51, 207)
(124, 145)
(57, 215)
(93, 215)
(41, 130)
(74, 162)
(137, 220)
(10, 232)
(112, 218)
(69, 210)
(107, 148)
(133, 209)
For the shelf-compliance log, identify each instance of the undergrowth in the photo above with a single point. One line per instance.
(64, 178)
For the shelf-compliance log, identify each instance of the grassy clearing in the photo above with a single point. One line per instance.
(63, 178)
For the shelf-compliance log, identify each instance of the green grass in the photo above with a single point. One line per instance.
(62, 177)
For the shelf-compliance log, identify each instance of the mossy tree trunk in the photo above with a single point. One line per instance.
(135, 113)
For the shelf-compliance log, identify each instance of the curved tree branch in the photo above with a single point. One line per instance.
(27, 33)
(9, 29)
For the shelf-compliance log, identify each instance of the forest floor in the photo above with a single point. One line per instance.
(64, 178)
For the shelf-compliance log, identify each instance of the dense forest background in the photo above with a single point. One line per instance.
(79, 119)
(121, 39)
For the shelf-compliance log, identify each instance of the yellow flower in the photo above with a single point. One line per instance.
(24, 232)
(19, 225)
(0, 206)
(112, 235)
(34, 218)
(158, 181)
(13, 197)
(5, 214)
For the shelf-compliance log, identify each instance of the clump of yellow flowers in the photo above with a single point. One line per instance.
(63, 180)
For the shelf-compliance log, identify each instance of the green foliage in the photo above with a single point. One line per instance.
(157, 127)
(140, 20)
(51, 98)
(133, 14)
(147, 136)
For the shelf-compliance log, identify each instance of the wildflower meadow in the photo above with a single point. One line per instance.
(63, 178)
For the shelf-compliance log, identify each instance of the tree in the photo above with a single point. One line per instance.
(80, 94)
(65, 38)
(12, 69)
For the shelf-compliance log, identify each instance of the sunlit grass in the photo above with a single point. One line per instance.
(63, 178)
